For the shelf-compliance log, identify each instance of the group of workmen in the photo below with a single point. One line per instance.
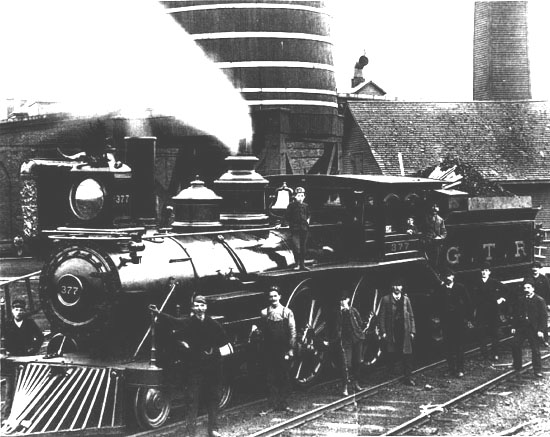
(456, 307)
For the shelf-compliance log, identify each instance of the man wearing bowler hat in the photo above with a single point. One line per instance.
(454, 307)
(398, 328)
(298, 215)
(529, 323)
(204, 337)
(488, 294)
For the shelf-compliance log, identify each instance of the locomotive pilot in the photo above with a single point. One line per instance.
(530, 315)
(397, 327)
(298, 216)
(278, 329)
(204, 336)
(488, 294)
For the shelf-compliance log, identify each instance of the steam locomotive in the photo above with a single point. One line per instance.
(112, 255)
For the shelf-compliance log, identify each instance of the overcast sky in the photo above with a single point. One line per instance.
(422, 50)
(418, 49)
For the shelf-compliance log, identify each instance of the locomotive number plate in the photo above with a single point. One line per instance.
(69, 290)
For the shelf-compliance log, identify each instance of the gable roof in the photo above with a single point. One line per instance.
(368, 88)
(504, 141)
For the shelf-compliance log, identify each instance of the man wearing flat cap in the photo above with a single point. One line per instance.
(298, 215)
(204, 337)
(454, 307)
(398, 328)
(22, 335)
(488, 294)
(529, 323)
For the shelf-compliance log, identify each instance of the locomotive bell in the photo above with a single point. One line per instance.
(196, 207)
(284, 194)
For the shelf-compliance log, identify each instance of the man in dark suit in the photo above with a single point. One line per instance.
(488, 294)
(529, 323)
(453, 304)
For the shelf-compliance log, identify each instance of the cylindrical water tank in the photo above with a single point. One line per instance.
(278, 53)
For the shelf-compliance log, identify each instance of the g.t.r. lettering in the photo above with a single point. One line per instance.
(454, 253)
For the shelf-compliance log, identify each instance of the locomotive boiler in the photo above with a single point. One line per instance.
(111, 258)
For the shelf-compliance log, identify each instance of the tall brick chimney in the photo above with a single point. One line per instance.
(501, 62)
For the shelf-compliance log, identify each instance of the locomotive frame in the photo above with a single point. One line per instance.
(98, 282)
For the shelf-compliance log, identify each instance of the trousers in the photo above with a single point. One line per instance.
(206, 381)
(526, 333)
(299, 241)
(454, 339)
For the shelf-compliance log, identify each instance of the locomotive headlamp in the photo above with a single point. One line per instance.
(87, 199)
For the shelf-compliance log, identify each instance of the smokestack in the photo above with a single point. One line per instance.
(501, 62)
(358, 71)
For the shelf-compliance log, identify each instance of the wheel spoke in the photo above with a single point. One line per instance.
(310, 320)
(317, 315)
(299, 369)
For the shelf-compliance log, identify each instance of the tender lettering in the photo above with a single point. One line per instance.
(488, 247)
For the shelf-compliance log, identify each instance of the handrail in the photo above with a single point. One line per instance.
(19, 278)
(6, 288)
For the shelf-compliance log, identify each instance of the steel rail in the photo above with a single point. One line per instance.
(308, 416)
(317, 412)
(439, 408)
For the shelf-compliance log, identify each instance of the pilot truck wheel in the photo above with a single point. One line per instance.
(151, 407)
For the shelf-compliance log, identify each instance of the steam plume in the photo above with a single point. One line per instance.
(125, 56)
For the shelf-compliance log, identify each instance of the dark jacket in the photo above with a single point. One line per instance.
(542, 287)
(203, 337)
(386, 318)
(531, 313)
(434, 227)
(297, 216)
(25, 340)
(453, 305)
(485, 296)
(349, 326)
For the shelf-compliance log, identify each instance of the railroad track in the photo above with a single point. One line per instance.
(390, 408)
(386, 407)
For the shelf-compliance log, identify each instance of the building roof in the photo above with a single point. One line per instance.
(505, 141)
(368, 88)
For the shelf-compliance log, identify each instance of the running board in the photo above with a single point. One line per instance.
(50, 398)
